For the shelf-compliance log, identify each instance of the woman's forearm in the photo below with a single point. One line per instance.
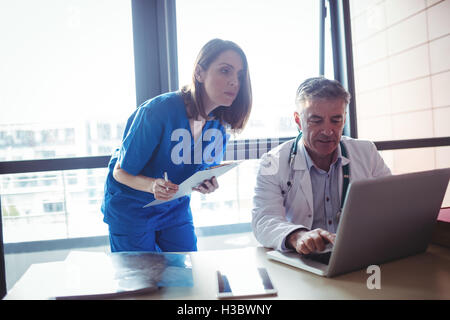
(139, 182)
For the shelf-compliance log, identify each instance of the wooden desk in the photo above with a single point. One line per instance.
(423, 276)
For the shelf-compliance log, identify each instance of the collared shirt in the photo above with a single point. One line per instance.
(325, 190)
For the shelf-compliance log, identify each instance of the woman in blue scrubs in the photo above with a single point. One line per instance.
(177, 134)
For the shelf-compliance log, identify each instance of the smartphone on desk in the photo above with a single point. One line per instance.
(244, 283)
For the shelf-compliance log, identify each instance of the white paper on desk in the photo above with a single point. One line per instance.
(193, 181)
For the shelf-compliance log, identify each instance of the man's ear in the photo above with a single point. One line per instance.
(297, 120)
(199, 73)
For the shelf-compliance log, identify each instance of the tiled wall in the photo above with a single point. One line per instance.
(402, 76)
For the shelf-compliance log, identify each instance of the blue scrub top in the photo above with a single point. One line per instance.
(158, 139)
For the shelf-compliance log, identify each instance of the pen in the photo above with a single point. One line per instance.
(219, 165)
(166, 179)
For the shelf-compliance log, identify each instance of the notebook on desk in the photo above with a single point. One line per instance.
(382, 220)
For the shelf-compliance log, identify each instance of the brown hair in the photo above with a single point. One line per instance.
(236, 116)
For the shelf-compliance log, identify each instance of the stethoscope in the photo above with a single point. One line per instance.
(345, 169)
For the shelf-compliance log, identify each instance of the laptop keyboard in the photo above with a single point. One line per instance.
(319, 257)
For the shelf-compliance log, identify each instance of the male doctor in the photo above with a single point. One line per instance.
(298, 193)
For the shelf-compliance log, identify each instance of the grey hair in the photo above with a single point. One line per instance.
(321, 88)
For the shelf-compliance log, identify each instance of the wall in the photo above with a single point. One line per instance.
(402, 74)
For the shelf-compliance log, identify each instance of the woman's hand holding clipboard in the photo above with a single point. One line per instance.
(193, 182)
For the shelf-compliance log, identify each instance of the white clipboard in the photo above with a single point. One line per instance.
(193, 181)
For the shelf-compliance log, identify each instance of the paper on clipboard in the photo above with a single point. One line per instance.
(193, 181)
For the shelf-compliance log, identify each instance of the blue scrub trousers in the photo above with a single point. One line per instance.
(178, 238)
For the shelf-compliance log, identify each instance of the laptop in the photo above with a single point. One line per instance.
(383, 219)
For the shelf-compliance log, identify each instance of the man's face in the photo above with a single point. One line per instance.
(322, 122)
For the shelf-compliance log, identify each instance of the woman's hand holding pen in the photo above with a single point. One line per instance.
(163, 189)
(207, 186)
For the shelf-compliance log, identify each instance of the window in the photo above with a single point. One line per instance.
(66, 67)
(66, 86)
(280, 40)
(52, 205)
(402, 81)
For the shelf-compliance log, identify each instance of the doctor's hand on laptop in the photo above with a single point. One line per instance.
(306, 242)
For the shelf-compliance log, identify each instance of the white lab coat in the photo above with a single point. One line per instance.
(274, 215)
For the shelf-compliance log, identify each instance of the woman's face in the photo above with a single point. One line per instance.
(222, 80)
